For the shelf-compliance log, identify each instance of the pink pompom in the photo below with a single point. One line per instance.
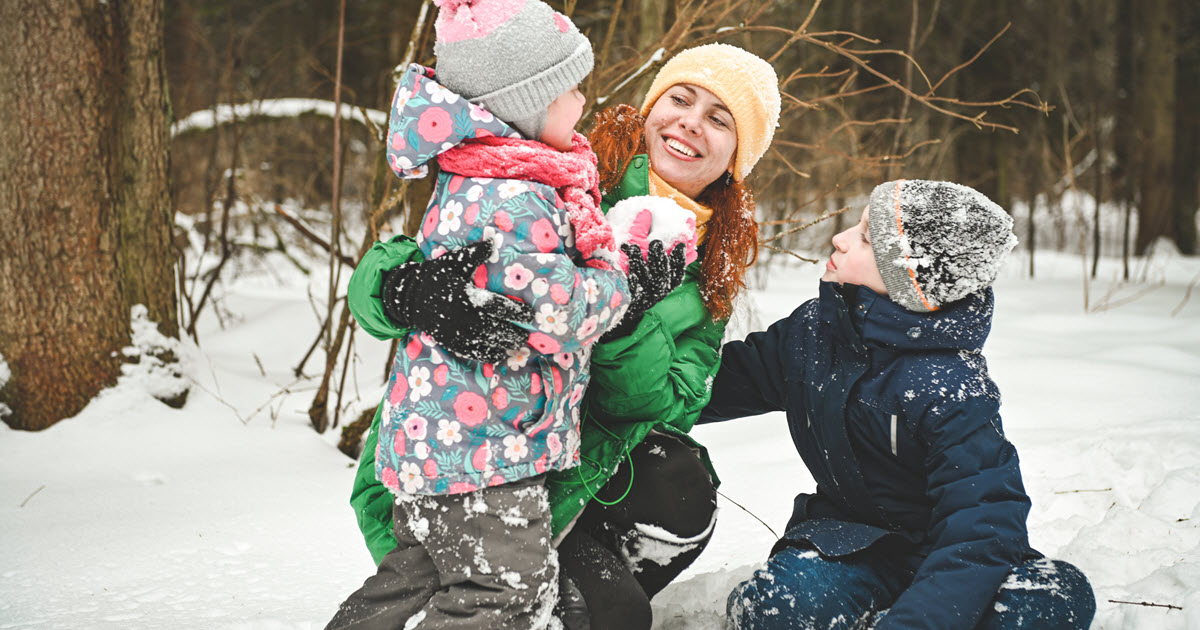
(452, 5)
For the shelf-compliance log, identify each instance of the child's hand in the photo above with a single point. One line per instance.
(639, 220)
(438, 297)
(650, 280)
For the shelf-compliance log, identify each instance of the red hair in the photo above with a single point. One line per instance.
(618, 134)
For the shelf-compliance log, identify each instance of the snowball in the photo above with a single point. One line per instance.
(640, 220)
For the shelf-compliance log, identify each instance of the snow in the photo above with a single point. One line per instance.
(148, 361)
(655, 57)
(274, 108)
(5, 374)
(232, 513)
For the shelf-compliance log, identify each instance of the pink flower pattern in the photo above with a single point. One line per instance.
(435, 125)
(544, 236)
(470, 408)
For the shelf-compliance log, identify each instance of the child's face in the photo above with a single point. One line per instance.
(561, 117)
(853, 260)
(691, 138)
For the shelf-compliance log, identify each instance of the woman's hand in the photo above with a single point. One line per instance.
(650, 280)
(438, 297)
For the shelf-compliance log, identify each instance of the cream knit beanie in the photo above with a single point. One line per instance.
(743, 81)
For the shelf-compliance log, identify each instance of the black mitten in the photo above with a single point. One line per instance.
(650, 281)
(438, 297)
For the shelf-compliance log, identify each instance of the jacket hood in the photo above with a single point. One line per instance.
(877, 320)
(428, 119)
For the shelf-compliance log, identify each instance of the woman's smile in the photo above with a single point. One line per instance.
(685, 150)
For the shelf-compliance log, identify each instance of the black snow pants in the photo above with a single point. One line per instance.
(621, 555)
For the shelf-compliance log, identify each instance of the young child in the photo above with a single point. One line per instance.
(464, 445)
(918, 519)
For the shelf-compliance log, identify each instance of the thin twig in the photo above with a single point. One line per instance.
(1108, 304)
(828, 215)
(299, 369)
(764, 523)
(1083, 490)
(1186, 295)
(335, 270)
(969, 61)
(310, 235)
(791, 253)
(1151, 604)
(337, 406)
(43, 487)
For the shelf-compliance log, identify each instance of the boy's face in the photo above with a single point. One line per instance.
(561, 118)
(853, 260)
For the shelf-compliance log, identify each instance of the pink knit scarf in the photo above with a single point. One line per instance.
(572, 173)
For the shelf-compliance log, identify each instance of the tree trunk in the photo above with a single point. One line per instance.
(1154, 107)
(1186, 185)
(84, 200)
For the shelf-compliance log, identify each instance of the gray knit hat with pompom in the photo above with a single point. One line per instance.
(936, 242)
(512, 57)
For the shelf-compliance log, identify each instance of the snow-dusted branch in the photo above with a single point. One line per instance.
(278, 108)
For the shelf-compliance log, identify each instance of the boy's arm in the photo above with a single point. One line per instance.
(978, 521)
(753, 375)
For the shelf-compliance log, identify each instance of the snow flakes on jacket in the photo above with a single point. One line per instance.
(450, 426)
(897, 420)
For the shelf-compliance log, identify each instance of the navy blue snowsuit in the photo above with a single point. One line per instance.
(895, 416)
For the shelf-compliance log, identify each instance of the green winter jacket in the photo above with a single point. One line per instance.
(657, 378)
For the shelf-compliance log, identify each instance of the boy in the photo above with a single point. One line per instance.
(918, 519)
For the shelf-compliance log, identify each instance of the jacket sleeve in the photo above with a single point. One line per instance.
(663, 369)
(372, 502)
(364, 291)
(977, 525)
(753, 375)
(573, 305)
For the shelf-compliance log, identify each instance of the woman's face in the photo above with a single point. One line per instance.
(691, 138)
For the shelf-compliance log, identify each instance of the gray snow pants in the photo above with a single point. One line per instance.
(478, 560)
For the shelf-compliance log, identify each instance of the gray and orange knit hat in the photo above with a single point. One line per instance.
(512, 57)
(936, 242)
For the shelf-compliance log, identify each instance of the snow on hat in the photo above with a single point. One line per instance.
(745, 83)
(936, 242)
(513, 57)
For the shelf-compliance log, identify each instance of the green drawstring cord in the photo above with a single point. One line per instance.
(599, 470)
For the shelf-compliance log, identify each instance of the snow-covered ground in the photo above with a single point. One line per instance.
(232, 513)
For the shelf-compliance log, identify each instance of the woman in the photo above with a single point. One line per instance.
(641, 506)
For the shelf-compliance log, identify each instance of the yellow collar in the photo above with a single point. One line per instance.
(660, 188)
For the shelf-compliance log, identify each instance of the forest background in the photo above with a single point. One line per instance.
(1078, 116)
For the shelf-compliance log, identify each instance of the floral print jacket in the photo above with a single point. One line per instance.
(450, 426)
